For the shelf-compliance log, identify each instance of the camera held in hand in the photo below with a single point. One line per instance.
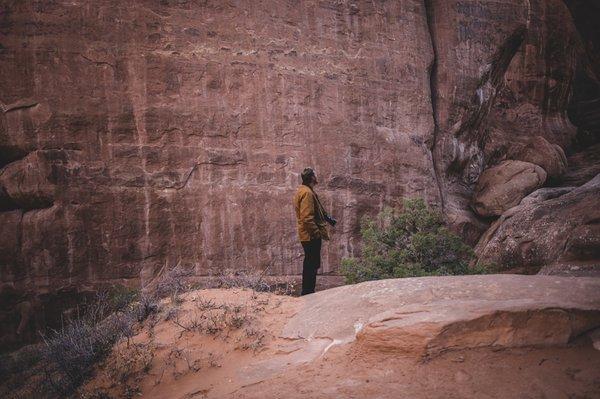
(330, 220)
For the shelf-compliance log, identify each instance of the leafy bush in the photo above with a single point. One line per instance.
(412, 243)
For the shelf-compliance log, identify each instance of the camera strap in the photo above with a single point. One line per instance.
(320, 206)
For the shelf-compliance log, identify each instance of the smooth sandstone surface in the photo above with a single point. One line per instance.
(426, 316)
(377, 339)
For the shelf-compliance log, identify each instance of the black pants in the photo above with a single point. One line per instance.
(312, 262)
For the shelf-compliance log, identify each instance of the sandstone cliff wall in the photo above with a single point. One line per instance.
(136, 134)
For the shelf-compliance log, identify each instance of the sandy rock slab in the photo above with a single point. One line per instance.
(427, 316)
(416, 338)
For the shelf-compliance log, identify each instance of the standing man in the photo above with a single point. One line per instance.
(311, 218)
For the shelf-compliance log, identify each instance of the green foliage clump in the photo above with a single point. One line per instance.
(412, 243)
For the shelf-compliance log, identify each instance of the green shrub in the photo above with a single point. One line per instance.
(412, 243)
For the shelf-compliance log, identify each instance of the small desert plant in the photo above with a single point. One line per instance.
(414, 242)
(130, 360)
(173, 283)
(243, 279)
(256, 339)
(147, 305)
(206, 304)
(71, 352)
(119, 297)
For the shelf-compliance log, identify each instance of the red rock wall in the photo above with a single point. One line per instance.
(142, 133)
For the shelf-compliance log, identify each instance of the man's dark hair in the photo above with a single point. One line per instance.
(306, 175)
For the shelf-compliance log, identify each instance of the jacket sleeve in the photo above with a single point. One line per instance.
(307, 216)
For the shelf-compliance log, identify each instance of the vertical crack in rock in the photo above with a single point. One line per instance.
(20, 238)
(138, 97)
(429, 18)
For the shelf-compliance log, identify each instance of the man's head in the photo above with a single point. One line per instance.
(309, 177)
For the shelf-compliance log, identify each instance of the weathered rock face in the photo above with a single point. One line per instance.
(139, 134)
(503, 186)
(503, 74)
(537, 150)
(561, 232)
(179, 136)
(135, 135)
(370, 340)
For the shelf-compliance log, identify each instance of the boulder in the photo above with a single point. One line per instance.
(29, 182)
(427, 316)
(501, 187)
(539, 151)
(559, 230)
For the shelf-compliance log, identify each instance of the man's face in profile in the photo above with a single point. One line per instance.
(314, 179)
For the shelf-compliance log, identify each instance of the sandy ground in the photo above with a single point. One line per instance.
(226, 344)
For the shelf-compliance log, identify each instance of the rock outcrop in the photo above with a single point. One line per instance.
(537, 150)
(427, 316)
(561, 232)
(343, 342)
(136, 134)
(498, 79)
(503, 186)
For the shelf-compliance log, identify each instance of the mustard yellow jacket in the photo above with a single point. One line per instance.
(310, 215)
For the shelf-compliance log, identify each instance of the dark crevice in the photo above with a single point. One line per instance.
(20, 106)
(584, 107)
(490, 82)
(6, 203)
(432, 96)
(10, 154)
